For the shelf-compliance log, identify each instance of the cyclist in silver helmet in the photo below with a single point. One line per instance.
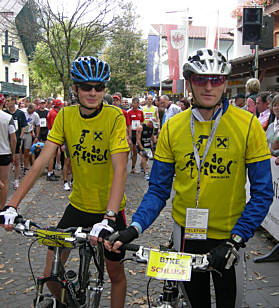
(96, 137)
(209, 148)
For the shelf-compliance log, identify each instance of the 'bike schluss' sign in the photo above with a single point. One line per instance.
(169, 266)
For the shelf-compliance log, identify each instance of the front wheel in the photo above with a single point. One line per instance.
(46, 303)
(95, 290)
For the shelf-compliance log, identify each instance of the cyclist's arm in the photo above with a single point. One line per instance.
(119, 163)
(35, 171)
(158, 193)
(261, 192)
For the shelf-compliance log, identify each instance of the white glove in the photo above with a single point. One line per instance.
(103, 228)
(9, 214)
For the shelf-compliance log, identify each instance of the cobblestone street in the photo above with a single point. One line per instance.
(46, 202)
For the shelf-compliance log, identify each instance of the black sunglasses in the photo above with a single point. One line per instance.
(88, 87)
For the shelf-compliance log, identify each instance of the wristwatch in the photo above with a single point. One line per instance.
(238, 240)
(110, 213)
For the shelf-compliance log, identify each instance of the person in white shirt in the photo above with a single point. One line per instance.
(7, 150)
(170, 109)
(262, 108)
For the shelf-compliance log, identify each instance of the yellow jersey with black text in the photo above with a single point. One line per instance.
(91, 142)
(239, 140)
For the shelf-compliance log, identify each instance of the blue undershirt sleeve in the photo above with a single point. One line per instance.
(261, 197)
(160, 185)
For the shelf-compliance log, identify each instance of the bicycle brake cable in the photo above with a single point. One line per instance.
(147, 292)
(29, 261)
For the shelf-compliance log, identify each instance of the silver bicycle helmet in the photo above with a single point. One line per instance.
(206, 62)
(86, 69)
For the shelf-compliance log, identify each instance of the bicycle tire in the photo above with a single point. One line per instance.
(45, 303)
(95, 296)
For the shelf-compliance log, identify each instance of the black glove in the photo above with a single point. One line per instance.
(224, 256)
(125, 236)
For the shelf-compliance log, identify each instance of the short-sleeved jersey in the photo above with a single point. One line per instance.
(91, 142)
(149, 112)
(135, 118)
(239, 140)
(7, 127)
(33, 120)
(19, 121)
(43, 120)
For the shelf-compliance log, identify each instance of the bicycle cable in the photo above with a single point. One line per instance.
(147, 292)
(29, 261)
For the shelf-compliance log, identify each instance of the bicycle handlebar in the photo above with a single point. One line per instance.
(199, 262)
(52, 235)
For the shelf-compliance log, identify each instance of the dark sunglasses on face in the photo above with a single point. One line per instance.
(201, 80)
(88, 87)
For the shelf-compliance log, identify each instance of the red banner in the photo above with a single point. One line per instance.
(173, 55)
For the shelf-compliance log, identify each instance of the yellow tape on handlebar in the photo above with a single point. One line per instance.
(169, 266)
(53, 238)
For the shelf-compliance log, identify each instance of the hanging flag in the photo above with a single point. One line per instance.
(153, 61)
(212, 33)
(174, 41)
(211, 37)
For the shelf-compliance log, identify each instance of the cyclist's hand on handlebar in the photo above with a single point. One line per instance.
(223, 256)
(102, 230)
(7, 217)
(119, 238)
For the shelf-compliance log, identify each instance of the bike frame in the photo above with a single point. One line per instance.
(70, 296)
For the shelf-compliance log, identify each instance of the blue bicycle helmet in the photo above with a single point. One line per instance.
(86, 69)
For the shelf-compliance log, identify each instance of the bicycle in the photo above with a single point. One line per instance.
(80, 290)
(174, 294)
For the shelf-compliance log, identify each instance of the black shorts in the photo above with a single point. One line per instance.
(5, 159)
(43, 136)
(73, 217)
(134, 137)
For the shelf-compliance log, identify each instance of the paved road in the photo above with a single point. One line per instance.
(45, 204)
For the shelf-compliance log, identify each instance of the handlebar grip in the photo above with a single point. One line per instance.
(130, 247)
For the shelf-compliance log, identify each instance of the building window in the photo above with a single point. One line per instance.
(22, 78)
(6, 74)
(15, 74)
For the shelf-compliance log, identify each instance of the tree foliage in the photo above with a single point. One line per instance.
(43, 69)
(65, 34)
(126, 54)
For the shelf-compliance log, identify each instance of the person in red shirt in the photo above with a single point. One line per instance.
(117, 102)
(135, 118)
(57, 105)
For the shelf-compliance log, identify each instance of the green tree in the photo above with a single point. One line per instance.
(126, 54)
(65, 34)
(44, 71)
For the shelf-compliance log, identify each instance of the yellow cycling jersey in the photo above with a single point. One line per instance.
(91, 142)
(239, 140)
(149, 113)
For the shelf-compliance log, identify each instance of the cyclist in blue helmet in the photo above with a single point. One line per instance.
(96, 137)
